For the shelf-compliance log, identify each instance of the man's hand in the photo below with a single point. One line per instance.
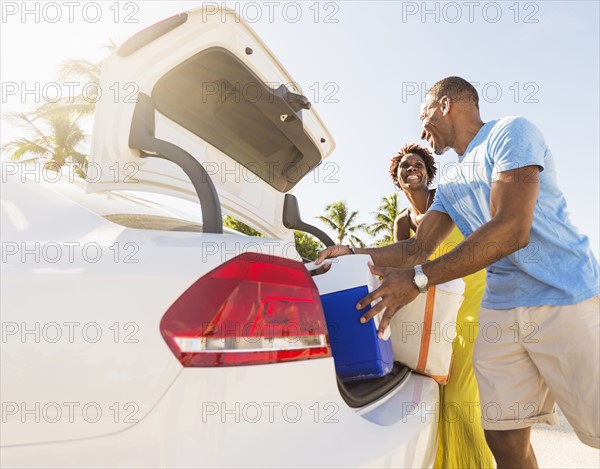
(332, 251)
(397, 290)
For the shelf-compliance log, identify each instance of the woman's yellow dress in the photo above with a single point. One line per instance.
(461, 442)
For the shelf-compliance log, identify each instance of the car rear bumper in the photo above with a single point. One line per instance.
(279, 415)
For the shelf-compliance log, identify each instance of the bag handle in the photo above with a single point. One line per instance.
(426, 337)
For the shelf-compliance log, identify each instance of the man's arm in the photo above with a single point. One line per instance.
(433, 229)
(512, 201)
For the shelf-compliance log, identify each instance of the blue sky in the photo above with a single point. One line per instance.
(364, 65)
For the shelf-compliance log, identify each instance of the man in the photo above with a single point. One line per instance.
(541, 298)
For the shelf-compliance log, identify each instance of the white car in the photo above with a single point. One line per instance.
(133, 331)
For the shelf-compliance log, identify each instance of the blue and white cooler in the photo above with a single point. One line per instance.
(357, 351)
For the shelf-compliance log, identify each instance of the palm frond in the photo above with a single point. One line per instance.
(26, 121)
(328, 222)
(356, 242)
(75, 107)
(18, 148)
(79, 69)
(351, 218)
(111, 45)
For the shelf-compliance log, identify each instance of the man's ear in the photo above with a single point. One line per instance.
(445, 105)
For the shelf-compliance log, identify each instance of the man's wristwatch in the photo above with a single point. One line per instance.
(420, 279)
(349, 246)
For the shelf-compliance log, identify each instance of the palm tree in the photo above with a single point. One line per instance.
(307, 246)
(86, 72)
(239, 226)
(53, 136)
(385, 216)
(342, 221)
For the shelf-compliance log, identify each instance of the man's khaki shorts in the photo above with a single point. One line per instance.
(528, 358)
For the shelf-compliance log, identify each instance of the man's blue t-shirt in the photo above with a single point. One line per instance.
(558, 266)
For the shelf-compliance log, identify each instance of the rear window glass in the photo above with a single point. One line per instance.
(219, 99)
(153, 222)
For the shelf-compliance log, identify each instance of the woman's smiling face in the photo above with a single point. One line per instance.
(412, 172)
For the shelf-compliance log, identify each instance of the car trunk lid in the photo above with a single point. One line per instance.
(220, 95)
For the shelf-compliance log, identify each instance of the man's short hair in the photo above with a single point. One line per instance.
(456, 88)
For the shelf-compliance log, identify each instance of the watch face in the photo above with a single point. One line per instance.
(421, 280)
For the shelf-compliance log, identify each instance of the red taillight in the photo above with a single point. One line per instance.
(253, 309)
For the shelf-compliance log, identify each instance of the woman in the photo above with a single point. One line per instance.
(461, 442)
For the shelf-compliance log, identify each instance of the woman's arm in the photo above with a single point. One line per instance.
(401, 227)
